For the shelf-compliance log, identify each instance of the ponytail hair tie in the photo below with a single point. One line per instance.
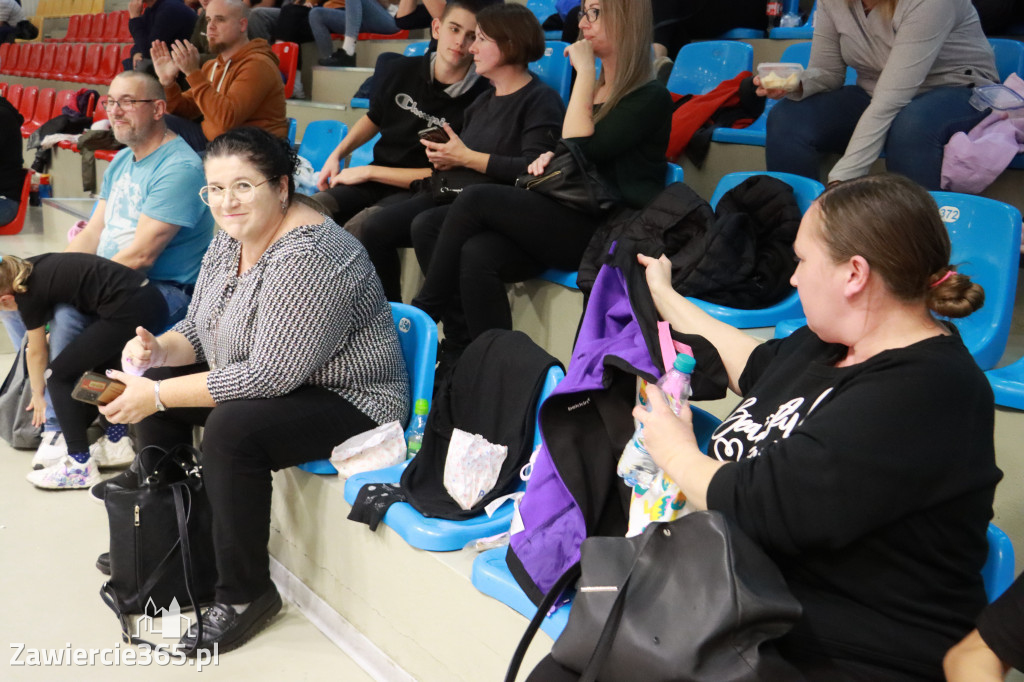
(942, 279)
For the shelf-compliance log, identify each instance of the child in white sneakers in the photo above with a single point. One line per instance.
(119, 300)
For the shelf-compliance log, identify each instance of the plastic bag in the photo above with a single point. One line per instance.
(471, 467)
(305, 177)
(377, 448)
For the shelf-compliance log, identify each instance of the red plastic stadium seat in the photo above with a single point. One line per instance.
(16, 58)
(5, 55)
(74, 32)
(14, 227)
(117, 28)
(60, 61)
(110, 64)
(33, 55)
(76, 56)
(65, 98)
(99, 25)
(46, 63)
(3, 90)
(401, 35)
(106, 154)
(42, 113)
(90, 65)
(28, 102)
(288, 61)
(14, 92)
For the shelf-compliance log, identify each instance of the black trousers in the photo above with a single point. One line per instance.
(345, 201)
(243, 442)
(494, 234)
(98, 348)
(391, 229)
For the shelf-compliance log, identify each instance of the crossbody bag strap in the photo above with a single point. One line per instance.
(179, 490)
(570, 576)
(611, 626)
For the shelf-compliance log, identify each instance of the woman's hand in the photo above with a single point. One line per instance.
(37, 406)
(581, 56)
(658, 272)
(540, 163)
(142, 353)
(447, 155)
(352, 176)
(774, 93)
(325, 179)
(666, 435)
(137, 402)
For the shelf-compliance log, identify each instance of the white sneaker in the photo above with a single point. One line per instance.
(51, 451)
(112, 455)
(66, 475)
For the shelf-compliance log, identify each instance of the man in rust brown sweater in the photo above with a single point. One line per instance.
(241, 87)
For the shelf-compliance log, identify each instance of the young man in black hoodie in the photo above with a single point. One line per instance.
(412, 93)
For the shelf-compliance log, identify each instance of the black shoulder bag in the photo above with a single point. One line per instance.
(693, 599)
(572, 180)
(161, 538)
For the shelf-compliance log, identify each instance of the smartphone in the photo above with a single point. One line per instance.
(434, 134)
(96, 389)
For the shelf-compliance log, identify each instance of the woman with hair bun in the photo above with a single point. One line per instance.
(861, 455)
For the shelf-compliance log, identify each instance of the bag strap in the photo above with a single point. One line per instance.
(179, 490)
(611, 626)
(569, 577)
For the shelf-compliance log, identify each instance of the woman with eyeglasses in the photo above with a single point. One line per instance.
(618, 116)
(288, 349)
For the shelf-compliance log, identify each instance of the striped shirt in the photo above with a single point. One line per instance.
(310, 312)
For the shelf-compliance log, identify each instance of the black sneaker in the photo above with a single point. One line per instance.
(125, 479)
(339, 58)
(227, 628)
(103, 563)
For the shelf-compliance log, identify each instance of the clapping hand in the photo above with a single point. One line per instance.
(185, 56)
(166, 69)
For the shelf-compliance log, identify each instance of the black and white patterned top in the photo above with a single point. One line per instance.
(311, 311)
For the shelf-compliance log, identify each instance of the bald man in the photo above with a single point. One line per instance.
(241, 87)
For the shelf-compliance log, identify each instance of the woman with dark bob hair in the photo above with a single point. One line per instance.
(288, 349)
(503, 130)
(861, 456)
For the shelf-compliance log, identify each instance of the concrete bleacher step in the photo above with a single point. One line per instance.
(418, 607)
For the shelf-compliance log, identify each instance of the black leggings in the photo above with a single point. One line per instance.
(98, 348)
(390, 229)
(495, 234)
(243, 441)
(344, 201)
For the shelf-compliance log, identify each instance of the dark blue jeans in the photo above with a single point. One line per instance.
(801, 133)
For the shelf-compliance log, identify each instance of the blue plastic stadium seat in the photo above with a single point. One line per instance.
(1009, 56)
(411, 50)
(554, 68)
(490, 571)
(1008, 384)
(985, 236)
(803, 32)
(806, 191)
(742, 34)
(293, 128)
(417, 335)
(756, 133)
(998, 570)
(320, 139)
(363, 155)
(567, 278)
(700, 67)
(433, 534)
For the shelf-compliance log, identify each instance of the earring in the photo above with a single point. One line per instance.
(284, 206)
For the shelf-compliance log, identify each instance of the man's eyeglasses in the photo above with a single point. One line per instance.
(242, 190)
(591, 14)
(126, 103)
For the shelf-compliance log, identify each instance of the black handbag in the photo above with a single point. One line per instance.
(161, 538)
(693, 599)
(447, 185)
(571, 179)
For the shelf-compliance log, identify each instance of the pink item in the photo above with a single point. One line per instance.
(75, 229)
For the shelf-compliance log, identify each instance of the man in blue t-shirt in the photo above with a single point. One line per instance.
(149, 217)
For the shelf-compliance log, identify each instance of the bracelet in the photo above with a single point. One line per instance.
(156, 396)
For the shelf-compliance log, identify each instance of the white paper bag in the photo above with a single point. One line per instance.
(377, 448)
(471, 467)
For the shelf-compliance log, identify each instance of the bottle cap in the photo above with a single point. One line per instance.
(684, 363)
(422, 406)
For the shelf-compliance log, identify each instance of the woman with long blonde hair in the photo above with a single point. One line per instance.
(916, 63)
(618, 116)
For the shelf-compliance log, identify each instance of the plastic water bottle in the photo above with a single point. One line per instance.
(774, 12)
(636, 466)
(790, 20)
(419, 423)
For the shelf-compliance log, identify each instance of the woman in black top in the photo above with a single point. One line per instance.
(497, 233)
(120, 299)
(861, 456)
(503, 130)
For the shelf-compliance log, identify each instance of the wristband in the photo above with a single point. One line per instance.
(156, 396)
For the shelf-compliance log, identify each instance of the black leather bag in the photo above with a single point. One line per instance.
(571, 179)
(693, 599)
(446, 186)
(161, 538)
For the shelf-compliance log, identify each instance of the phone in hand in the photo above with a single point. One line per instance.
(96, 389)
(434, 134)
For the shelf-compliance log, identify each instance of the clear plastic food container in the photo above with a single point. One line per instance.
(997, 97)
(780, 75)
